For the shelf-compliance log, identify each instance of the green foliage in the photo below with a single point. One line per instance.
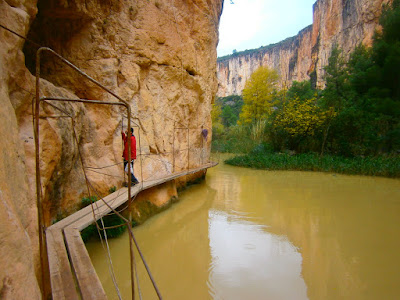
(386, 52)
(216, 113)
(112, 189)
(297, 122)
(259, 95)
(228, 116)
(365, 93)
(356, 115)
(258, 130)
(109, 221)
(262, 149)
(227, 135)
(113, 221)
(231, 107)
(301, 90)
(234, 139)
(88, 200)
(372, 166)
(88, 232)
(386, 56)
(301, 118)
(217, 127)
(335, 94)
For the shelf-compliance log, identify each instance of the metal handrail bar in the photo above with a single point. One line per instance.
(41, 225)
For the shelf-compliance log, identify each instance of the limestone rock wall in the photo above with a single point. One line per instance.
(345, 23)
(291, 58)
(158, 55)
(18, 221)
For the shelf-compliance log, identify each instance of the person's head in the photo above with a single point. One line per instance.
(131, 130)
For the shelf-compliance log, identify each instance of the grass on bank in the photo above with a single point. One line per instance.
(372, 166)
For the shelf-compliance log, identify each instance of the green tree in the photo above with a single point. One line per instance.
(366, 92)
(228, 116)
(336, 90)
(386, 50)
(386, 91)
(216, 113)
(301, 90)
(217, 127)
(231, 107)
(259, 95)
(298, 120)
(301, 117)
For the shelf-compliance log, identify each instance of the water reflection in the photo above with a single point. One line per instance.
(251, 234)
(250, 263)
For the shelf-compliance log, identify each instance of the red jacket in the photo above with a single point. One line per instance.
(133, 146)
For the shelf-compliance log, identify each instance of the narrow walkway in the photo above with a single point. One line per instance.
(72, 274)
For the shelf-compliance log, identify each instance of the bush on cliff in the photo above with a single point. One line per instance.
(111, 220)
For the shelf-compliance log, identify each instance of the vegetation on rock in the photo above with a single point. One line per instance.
(354, 120)
(111, 220)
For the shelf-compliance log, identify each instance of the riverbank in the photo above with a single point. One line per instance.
(371, 166)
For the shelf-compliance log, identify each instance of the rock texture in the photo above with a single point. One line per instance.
(345, 23)
(158, 55)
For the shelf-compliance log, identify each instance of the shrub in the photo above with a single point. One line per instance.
(108, 220)
(88, 200)
(373, 166)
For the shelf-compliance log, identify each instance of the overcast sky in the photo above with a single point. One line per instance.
(249, 24)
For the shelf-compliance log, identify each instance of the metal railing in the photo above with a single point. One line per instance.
(39, 194)
(38, 100)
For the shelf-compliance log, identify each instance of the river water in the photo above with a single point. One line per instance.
(254, 234)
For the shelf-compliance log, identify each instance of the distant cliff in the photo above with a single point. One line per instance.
(346, 23)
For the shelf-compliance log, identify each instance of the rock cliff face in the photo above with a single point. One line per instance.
(159, 56)
(345, 23)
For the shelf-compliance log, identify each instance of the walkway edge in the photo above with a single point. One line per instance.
(68, 257)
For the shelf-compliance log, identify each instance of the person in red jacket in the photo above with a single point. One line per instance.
(133, 154)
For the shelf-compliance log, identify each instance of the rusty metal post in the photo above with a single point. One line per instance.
(41, 229)
(123, 144)
(131, 236)
(132, 258)
(42, 240)
(129, 155)
(130, 200)
(202, 146)
(188, 145)
(141, 159)
(173, 149)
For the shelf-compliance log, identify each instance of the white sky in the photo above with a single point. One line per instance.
(249, 24)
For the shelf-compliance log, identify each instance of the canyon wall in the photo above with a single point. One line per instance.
(160, 56)
(304, 56)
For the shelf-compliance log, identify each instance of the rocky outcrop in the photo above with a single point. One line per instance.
(160, 56)
(302, 57)
(291, 58)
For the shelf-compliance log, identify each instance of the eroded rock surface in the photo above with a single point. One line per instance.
(159, 56)
(345, 23)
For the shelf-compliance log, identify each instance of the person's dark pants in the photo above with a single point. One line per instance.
(133, 178)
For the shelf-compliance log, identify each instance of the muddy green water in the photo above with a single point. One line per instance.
(252, 234)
